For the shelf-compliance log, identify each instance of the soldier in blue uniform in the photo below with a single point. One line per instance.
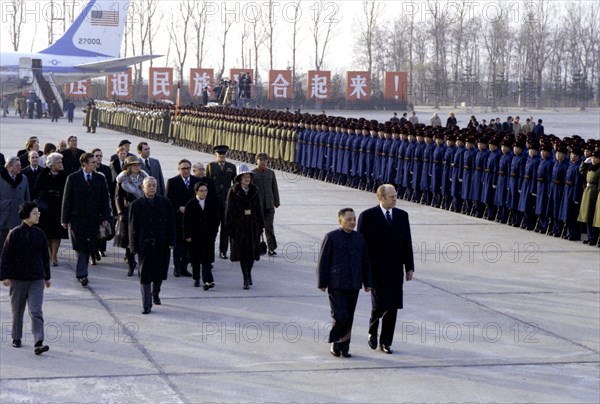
(378, 157)
(483, 152)
(490, 179)
(417, 166)
(517, 168)
(362, 159)
(392, 158)
(456, 175)
(385, 155)
(571, 198)
(355, 155)
(543, 175)
(437, 169)
(332, 140)
(322, 152)
(557, 187)
(407, 176)
(425, 183)
(502, 183)
(370, 155)
(400, 163)
(300, 132)
(528, 191)
(467, 175)
(342, 154)
(451, 149)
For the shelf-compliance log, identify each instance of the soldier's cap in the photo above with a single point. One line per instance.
(131, 160)
(495, 141)
(222, 149)
(124, 142)
(577, 151)
(483, 139)
(520, 144)
(241, 170)
(471, 139)
(546, 147)
(562, 149)
(534, 146)
(262, 156)
(596, 153)
(507, 142)
(589, 146)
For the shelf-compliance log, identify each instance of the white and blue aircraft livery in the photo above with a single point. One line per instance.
(89, 48)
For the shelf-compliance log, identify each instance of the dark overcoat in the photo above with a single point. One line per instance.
(84, 207)
(245, 222)
(390, 252)
(151, 233)
(179, 195)
(344, 261)
(202, 225)
(50, 188)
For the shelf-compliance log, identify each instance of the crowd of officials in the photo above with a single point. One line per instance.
(509, 172)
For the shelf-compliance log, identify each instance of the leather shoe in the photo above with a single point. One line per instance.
(386, 348)
(41, 349)
(346, 353)
(156, 300)
(176, 274)
(206, 286)
(146, 311)
(272, 253)
(372, 341)
(130, 271)
(185, 273)
(16, 343)
(196, 284)
(335, 350)
(84, 281)
(223, 256)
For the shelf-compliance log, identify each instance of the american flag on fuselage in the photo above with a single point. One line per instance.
(106, 18)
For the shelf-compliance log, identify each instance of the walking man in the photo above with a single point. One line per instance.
(264, 179)
(387, 232)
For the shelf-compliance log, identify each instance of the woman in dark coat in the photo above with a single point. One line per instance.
(200, 226)
(245, 222)
(127, 190)
(48, 192)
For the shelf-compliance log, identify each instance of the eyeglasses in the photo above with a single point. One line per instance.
(184, 168)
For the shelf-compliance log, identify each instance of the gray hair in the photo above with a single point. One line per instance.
(10, 161)
(53, 158)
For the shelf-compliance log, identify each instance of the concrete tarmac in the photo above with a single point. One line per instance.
(494, 314)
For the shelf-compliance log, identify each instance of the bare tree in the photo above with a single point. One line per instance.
(438, 31)
(371, 17)
(324, 18)
(201, 19)
(496, 38)
(269, 23)
(258, 39)
(17, 19)
(295, 40)
(244, 34)
(179, 34)
(227, 23)
(457, 36)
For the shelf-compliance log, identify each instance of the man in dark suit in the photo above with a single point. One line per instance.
(200, 226)
(85, 206)
(71, 156)
(151, 166)
(151, 236)
(343, 268)
(387, 232)
(223, 174)
(180, 189)
(110, 182)
(33, 170)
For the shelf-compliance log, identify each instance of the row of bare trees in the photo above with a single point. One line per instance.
(537, 53)
(540, 53)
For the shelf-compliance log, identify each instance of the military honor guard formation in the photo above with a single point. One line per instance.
(505, 173)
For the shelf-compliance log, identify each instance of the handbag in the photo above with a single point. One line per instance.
(262, 246)
(41, 202)
(106, 231)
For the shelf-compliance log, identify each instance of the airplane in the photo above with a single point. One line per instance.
(89, 48)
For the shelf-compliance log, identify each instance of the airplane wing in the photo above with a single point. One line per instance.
(111, 64)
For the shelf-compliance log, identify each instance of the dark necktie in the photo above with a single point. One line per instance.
(187, 183)
(88, 179)
(388, 217)
(147, 164)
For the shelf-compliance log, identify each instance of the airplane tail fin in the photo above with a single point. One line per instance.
(97, 31)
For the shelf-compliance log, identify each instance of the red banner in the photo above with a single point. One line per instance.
(280, 85)
(318, 85)
(120, 85)
(358, 86)
(395, 86)
(200, 78)
(79, 90)
(160, 84)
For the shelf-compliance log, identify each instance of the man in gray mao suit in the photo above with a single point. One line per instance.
(151, 166)
(264, 179)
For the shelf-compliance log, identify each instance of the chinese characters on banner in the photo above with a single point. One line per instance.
(78, 90)
(395, 86)
(160, 84)
(119, 86)
(280, 85)
(358, 86)
(318, 87)
(200, 78)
